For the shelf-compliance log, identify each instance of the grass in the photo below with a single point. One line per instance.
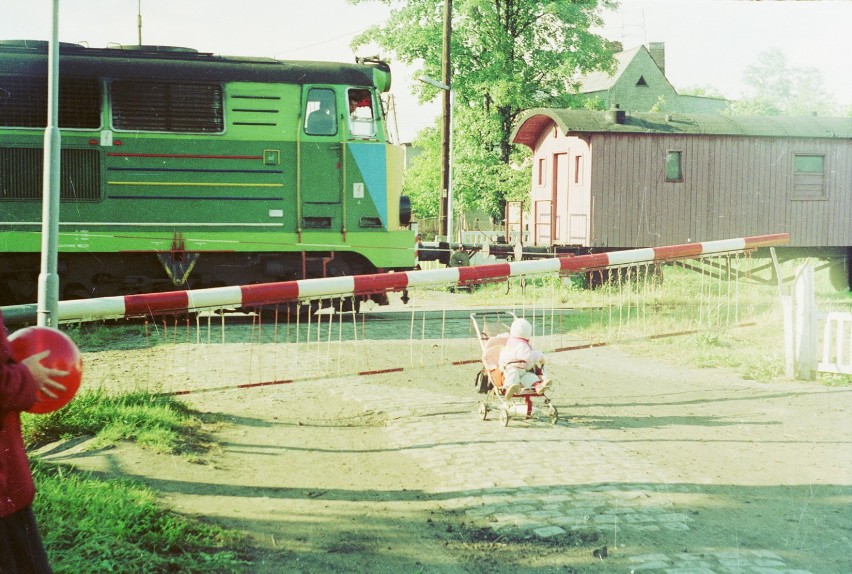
(117, 526)
(158, 422)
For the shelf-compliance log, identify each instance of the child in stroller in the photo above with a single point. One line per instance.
(512, 371)
(522, 366)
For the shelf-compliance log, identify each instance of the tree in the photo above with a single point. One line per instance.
(775, 88)
(423, 177)
(507, 56)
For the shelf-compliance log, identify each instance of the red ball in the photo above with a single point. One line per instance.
(64, 355)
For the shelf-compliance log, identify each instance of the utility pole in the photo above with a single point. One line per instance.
(446, 126)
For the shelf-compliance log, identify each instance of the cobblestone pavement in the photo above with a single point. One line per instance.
(536, 479)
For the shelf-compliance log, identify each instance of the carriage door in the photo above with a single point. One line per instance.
(578, 207)
(559, 196)
(320, 160)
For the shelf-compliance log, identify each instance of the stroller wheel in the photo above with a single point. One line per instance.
(483, 411)
(504, 417)
(553, 414)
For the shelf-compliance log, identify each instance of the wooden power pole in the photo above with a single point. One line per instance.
(446, 124)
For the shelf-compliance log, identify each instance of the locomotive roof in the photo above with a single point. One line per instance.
(532, 122)
(25, 57)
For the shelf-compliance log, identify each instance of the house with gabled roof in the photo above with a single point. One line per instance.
(639, 84)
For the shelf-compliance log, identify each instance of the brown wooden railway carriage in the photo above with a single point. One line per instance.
(614, 180)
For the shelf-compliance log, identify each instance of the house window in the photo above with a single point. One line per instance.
(642, 83)
(808, 176)
(674, 166)
(541, 171)
(578, 169)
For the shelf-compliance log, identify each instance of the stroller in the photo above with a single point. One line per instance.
(492, 331)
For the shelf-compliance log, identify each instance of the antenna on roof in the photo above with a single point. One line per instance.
(139, 20)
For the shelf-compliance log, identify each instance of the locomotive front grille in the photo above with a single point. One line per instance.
(22, 173)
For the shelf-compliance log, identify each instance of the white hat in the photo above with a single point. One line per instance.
(521, 328)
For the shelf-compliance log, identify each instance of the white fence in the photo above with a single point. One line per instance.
(808, 349)
(836, 343)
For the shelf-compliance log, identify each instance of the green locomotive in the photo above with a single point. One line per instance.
(185, 170)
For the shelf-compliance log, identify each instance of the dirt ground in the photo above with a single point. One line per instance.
(395, 472)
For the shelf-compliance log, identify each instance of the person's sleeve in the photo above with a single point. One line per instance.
(17, 386)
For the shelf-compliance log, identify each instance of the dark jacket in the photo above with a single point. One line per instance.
(17, 393)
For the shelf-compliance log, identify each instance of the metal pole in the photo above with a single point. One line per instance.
(48, 279)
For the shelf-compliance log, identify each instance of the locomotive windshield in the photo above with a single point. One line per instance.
(321, 113)
(361, 118)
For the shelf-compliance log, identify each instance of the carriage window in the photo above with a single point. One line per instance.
(23, 102)
(158, 106)
(361, 119)
(674, 167)
(320, 112)
(808, 176)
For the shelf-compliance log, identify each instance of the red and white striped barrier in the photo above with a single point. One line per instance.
(177, 302)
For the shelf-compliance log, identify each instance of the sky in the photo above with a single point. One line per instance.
(708, 42)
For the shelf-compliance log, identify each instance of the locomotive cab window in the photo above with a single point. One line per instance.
(674, 166)
(164, 106)
(321, 112)
(362, 122)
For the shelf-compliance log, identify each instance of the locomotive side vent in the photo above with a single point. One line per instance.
(22, 169)
(161, 106)
(255, 110)
(23, 102)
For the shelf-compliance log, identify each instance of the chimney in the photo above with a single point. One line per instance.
(614, 115)
(658, 53)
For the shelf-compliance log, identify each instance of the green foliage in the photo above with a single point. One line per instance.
(507, 56)
(659, 105)
(423, 177)
(776, 88)
(117, 527)
(702, 91)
